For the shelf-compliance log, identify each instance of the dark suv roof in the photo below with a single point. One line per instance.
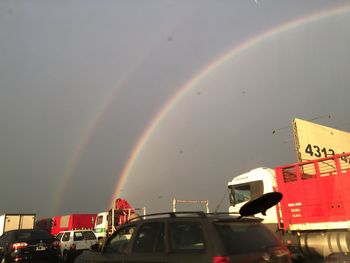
(192, 237)
(196, 214)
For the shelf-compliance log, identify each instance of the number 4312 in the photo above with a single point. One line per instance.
(315, 150)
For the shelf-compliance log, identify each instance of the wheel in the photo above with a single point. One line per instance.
(65, 256)
(101, 240)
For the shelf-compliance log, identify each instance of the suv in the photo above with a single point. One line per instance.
(73, 242)
(191, 237)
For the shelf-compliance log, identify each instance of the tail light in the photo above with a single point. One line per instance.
(16, 259)
(73, 246)
(19, 245)
(222, 259)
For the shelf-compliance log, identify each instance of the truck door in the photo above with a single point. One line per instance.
(12, 222)
(27, 222)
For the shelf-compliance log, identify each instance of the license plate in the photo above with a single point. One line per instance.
(40, 248)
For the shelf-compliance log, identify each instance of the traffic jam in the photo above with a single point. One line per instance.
(292, 213)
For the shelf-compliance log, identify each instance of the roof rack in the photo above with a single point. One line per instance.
(169, 214)
(224, 213)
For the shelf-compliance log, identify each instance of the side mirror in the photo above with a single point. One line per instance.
(261, 204)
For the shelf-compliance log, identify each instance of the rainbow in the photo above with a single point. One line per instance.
(142, 141)
(79, 148)
(230, 54)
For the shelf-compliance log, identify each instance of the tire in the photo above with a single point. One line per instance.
(65, 256)
(101, 240)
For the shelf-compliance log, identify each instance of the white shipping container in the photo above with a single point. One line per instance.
(16, 221)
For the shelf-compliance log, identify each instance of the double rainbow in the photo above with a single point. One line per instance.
(233, 53)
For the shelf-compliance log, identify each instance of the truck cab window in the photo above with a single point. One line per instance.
(99, 220)
(245, 192)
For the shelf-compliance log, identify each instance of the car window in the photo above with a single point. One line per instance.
(118, 242)
(150, 238)
(66, 236)
(59, 236)
(89, 235)
(40, 234)
(84, 235)
(27, 235)
(22, 236)
(4, 237)
(237, 237)
(186, 237)
(78, 236)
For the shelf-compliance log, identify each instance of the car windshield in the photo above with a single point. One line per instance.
(241, 238)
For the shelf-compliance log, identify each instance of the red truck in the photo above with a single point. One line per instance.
(67, 222)
(107, 222)
(313, 217)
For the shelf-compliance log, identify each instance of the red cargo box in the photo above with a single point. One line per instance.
(71, 222)
(315, 193)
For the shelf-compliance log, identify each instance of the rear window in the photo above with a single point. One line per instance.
(241, 238)
(30, 235)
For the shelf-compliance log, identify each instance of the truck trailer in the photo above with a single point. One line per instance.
(16, 221)
(71, 222)
(313, 218)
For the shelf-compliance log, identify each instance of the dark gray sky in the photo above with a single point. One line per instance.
(81, 81)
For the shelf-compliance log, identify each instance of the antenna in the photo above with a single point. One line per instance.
(289, 126)
(222, 199)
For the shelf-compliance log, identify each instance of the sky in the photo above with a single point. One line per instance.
(159, 99)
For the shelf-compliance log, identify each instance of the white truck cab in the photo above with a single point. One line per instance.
(249, 186)
(101, 225)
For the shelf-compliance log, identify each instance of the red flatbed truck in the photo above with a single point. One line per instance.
(107, 222)
(316, 204)
(313, 217)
